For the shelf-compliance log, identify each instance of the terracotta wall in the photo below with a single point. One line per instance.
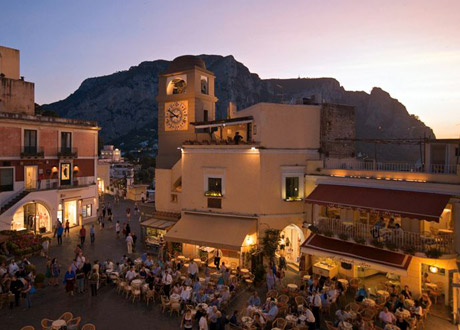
(10, 141)
(48, 139)
(85, 142)
(86, 167)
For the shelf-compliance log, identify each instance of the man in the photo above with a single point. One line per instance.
(192, 269)
(59, 232)
(129, 243)
(237, 138)
(131, 274)
(13, 268)
(254, 300)
(217, 256)
(67, 228)
(407, 293)
(92, 234)
(311, 322)
(386, 316)
(117, 228)
(16, 288)
(167, 281)
(317, 308)
(82, 235)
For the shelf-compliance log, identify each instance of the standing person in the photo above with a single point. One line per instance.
(92, 235)
(59, 232)
(217, 256)
(117, 229)
(167, 281)
(128, 229)
(15, 288)
(143, 197)
(129, 243)
(104, 210)
(128, 213)
(80, 277)
(46, 246)
(26, 293)
(69, 280)
(55, 271)
(82, 234)
(316, 309)
(67, 228)
(203, 322)
(187, 321)
(270, 280)
(109, 209)
(94, 279)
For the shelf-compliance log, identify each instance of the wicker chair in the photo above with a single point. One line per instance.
(149, 295)
(74, 323)
(136, 294)
(283, 299)
(272, 294)
(88, 326)
(354, 307)
(46, 324)
(330, 325)
(299, 300)
(28, 327)
(67, 316)
(279, 323)
(165, 304)
(175, 307)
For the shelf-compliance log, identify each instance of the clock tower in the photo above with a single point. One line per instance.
(185, 95)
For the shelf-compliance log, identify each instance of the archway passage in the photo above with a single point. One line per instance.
(32, 216)
(291, 239)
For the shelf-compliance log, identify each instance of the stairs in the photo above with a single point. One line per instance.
(16, 199)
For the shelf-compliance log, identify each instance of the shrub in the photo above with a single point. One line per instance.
(391, 246)
(328, 233)
(259, 273)
(409, 250)
(343, 237)
(40, 278)
(377, 243)
(360, 240)
(433, 253)
(314, 229)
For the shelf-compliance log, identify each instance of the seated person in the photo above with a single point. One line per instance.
(254, 300)
(259, 321)
(406, 292)
(386, 316)
(401, 323)
(131, 274)
(234, 319)
(361, 294)
(272, 313)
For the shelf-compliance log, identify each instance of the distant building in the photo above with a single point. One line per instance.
(111, 154)
(47, 164)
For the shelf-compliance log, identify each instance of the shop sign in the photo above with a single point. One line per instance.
(354, 262)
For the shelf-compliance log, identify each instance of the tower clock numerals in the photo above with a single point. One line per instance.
(176, 116)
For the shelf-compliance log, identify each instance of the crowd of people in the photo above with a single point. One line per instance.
(16, 279)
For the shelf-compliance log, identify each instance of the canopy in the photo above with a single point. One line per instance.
(360, 255)
(210, 230)
(410, 204)
(157, 223)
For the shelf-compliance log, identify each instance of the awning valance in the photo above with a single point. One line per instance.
(357, 254)
(158, 223)
(210, 230)
(410, 204)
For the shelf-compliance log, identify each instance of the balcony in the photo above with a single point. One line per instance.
(433, 243)
(32, 152)
(371, 165)
(66, 152)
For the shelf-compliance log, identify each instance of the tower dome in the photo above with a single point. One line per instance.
(185, 62)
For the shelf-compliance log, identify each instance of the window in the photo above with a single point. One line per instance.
(205, 115)
(214, 187)
(292, 188)
(66, 141)
(6, 179)
(65, 173)
(30, 141)
(87, 210)
(204, 85)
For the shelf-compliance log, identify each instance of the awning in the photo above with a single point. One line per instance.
(357, 254)
(211, 230)
(158, 223)
(410, 204)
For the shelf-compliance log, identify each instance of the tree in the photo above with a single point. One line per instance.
(270, 243)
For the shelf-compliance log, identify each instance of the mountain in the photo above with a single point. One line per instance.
(124, 104)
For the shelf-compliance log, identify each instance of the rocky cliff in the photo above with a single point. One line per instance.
(124, 104)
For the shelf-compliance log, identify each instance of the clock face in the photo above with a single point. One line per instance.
(176, 116)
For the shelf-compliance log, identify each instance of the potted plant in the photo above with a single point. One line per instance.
(328, 233)
(360, 240)
(390, 246)
(259, 274)
(343, 236)
(375, 242)
(39, 280)
(433, 253)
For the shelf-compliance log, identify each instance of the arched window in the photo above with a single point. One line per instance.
(176, 86)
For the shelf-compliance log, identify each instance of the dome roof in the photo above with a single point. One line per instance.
(185, 62)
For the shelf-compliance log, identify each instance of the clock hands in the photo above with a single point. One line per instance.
(173, 113)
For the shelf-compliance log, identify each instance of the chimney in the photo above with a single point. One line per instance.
(231, 110)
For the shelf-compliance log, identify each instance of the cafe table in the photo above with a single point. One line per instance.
(136, 283)
(174, 297)
(344, 282)
(292, 287)
(244, 271)
(59, 325)
(369, 302)
(383, 293)
(181, 258)
(306, 277)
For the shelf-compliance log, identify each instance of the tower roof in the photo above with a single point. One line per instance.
(185, 62)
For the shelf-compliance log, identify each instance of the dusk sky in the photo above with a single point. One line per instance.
(411, 49)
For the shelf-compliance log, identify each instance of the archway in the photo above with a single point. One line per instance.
(292, 237)
(33, 216)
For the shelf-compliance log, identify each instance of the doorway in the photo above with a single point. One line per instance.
(292, 237)
(70, 213)
(32, 216)
(31, 176)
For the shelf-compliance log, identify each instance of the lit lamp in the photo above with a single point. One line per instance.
(76, 169)
(249, 240)
(434, 269)
(54, 171)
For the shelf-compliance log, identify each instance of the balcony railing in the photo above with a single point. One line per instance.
(361, 165)
(66, 152)
(394, 239)
(32, 152)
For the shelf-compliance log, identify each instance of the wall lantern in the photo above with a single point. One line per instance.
(76, 169)
(434, 269)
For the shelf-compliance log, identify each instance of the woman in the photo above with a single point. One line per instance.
(270, 280)
(26, 293)
(186, 322)
(55, 271)
(69, 280)
(48, 270)
(94, 279)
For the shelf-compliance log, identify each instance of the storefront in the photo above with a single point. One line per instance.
(32, 216)
(200, 234)
(71, 212)
(154, 230)
(291, 237)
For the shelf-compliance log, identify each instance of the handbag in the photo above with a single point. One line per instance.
(32, 290)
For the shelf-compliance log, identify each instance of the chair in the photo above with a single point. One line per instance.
(149, 295)
(279, 323)
(368, 314)
(136, 294)
(88, 326)
(330, 325)
(283, 299)
(28, 327)
(46, 324)
(121, 286)
(175, 307)
(299, 300)
(165, 304)
(272, 294)
(67, 316)
(354, 307)
(4, 300)
(127, 291)
(74, 323)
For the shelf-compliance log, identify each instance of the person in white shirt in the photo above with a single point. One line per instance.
(193, 269)
(386, 316)
(203, 323)
(13, 268)
(317, 309)
(310, 319)
(129, 243)
(167, 281)
(185, 294)
(131, 274)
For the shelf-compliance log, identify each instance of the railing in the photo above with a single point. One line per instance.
(32, 152)
(394, 239)
(67, 152)
(370, 165)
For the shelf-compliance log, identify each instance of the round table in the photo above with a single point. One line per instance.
(136, 283)
(244, 270)
(181, 258)
(306, 277)
(383, 293)
(59, 324)
(344, 282)
(197, 260)
(369, 302)
(202, 279)
(292, 286)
